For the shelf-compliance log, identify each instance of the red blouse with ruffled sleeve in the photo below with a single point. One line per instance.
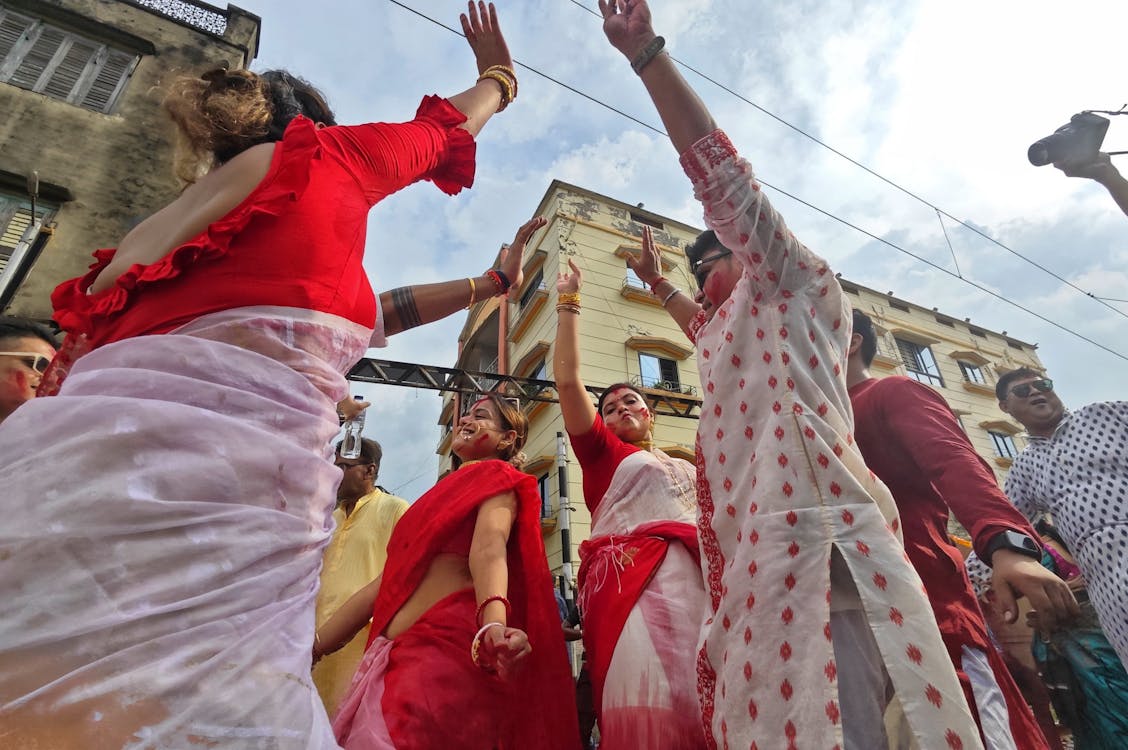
(296, 241)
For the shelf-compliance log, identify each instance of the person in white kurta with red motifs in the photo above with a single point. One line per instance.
(799, 539)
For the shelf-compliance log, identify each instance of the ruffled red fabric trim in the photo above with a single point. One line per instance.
(79, 313)
(457, 169)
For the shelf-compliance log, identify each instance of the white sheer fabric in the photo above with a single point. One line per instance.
(165, 516)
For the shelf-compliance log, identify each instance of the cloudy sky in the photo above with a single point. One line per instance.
(942, 98)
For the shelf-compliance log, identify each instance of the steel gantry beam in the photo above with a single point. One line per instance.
(436, 378)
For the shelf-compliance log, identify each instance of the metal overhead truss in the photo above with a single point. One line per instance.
(435, 378)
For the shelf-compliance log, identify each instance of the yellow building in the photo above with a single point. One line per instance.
(625, 335)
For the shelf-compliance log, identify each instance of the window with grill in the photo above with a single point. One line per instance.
(1004, 444)
(919, 362)
(659, 372)
(972, 373)
(15, 218)
(61, 64)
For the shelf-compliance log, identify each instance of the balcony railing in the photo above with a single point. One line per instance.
(198, 15)
(639, 381)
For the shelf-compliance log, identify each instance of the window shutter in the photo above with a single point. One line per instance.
(12, 29)
(67, 73)
(31, 67)
(13, 229)
(108, 82)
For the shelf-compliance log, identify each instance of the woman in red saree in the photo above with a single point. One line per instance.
(466, 649)
(641, 588)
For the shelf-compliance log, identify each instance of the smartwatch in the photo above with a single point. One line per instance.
(1015, 542)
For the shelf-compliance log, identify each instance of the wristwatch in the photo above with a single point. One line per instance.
(1015, 542)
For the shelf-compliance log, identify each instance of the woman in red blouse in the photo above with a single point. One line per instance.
(159, 579)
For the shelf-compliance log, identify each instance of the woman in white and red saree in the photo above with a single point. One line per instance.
(641, 588)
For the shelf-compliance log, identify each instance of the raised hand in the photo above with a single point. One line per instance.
(566, 283)
(479, 24)
(648, 266)
(512, 254)
(627, 25)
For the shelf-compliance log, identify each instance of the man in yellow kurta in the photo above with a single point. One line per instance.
(356, 554)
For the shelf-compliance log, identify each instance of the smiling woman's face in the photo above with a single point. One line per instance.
(479, 432)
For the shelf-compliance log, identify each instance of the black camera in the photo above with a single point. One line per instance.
(1078, 140)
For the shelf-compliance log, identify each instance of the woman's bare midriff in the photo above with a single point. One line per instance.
(448, 573)
(203, 203)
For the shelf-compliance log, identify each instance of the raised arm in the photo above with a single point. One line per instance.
(501, 646)
(343, 625)
(481, 101)
(627, 26)
(575, 404)
(1101, 171)
(678, 303)
(410, 306)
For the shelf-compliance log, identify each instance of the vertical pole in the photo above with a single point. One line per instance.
(564, 515)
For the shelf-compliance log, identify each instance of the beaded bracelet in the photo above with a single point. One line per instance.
(568, 298)
(476, 644)
(649, 52)
(494, 598)
(657, 281)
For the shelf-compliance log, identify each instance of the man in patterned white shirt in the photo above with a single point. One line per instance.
(813, 604)
(1076, 469)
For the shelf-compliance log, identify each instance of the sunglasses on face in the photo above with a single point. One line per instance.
(37, 362)
(1022, 390)
(700, 273)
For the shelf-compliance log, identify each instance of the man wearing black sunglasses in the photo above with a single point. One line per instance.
(26, 348)
(1075, 468)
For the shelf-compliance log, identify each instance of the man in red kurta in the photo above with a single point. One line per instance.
(910, 438)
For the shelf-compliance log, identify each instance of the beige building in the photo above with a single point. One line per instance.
(627, 336)
(80, 91)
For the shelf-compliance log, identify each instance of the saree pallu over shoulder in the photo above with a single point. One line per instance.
(546, 716)
(159, 576)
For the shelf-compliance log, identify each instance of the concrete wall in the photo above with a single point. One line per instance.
(118, 166)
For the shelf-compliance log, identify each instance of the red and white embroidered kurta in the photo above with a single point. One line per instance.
(780, 484)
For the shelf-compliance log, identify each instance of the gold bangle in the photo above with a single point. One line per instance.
(502, 81)
(471, 302)
(569, 298)
(568, 308)
(508, 72)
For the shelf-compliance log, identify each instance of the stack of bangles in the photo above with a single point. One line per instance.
(476, 644)
(568, 302)
(506, 79)
(500, 280)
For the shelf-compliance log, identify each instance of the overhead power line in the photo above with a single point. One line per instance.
(825, 212)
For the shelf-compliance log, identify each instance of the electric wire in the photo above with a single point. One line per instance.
(826, 213)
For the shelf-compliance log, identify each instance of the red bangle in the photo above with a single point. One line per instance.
(657, 281)
(497, 277)
(484, 604)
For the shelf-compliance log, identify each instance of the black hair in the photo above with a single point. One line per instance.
(1003, 385)
(863, 326)
(704, 242)
(22, 328)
